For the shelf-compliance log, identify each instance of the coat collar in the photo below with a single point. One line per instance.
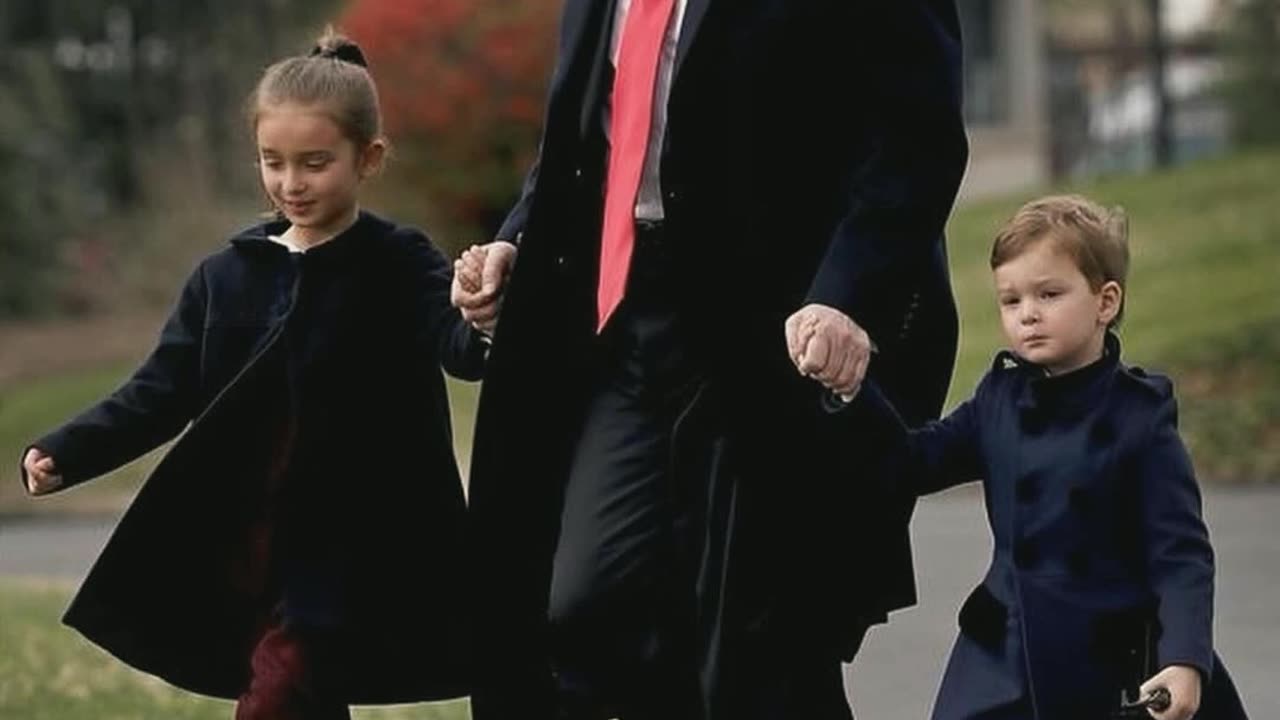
(255, 238)
(1069, 393)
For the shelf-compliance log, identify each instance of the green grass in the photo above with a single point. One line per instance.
(49, 672)
(34, 407)
(1203, 306)
(31, 408)
(1203, 301)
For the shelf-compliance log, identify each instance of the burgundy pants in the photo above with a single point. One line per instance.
(289, 680)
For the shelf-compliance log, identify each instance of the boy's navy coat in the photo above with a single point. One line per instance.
(378, 501)
(1095, 516)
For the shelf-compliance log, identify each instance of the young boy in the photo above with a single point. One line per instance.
(1100, 590)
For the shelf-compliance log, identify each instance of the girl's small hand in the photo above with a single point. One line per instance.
(1183, 684)
(469, 269)
(42, 477)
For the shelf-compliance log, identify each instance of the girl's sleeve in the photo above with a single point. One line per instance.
(938, 455)
(149, 409)
(1178, 554)
(461, 348)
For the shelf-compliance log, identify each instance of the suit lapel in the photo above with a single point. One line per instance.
(694, 13)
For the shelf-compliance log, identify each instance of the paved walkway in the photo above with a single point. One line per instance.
(896, 674)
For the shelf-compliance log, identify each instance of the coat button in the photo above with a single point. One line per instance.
(1102, 435)
(1080, 500)
(1078, 562)
(1025, 554)
(1028, 490)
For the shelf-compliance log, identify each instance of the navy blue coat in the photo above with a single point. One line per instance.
(347, 340)
(1102, 569)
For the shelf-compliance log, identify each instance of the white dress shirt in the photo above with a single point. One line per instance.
(649, 198)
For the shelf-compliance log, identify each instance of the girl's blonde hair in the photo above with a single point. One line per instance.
(334, 77)
(1096, 239)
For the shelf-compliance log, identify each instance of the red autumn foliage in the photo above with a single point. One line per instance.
(462, 85)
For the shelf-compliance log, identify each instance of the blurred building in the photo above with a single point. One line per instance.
(1005, 98)
(1063, 88)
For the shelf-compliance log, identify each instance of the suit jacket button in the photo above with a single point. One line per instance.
(1078, 563)
(1025, 554)
(1028, 490)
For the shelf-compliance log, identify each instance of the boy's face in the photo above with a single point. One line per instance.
(310, 170)
(1049, 313)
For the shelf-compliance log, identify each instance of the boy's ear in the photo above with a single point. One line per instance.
(1110, 296)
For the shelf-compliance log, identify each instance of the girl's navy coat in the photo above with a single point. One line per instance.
(343, 345)
(1095, 517)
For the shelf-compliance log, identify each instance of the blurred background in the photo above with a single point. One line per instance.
(125, 156)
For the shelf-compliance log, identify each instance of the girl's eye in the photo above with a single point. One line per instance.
(1050, 294)
(1009, 301)
(317, 164)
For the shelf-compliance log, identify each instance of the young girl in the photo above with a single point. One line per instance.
(300, 548)
(1101, 584)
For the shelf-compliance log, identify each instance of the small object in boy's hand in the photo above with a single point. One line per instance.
(1157, 700)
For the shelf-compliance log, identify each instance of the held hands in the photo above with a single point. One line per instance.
(1183, 684)
(828, 346)
(479, 278)
(42, 476)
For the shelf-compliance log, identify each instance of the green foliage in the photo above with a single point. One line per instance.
(105, 104)
(1252, 88)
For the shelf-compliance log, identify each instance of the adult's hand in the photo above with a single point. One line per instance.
(828, 346)
(479, 281)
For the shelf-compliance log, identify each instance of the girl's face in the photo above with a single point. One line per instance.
(1049, 314)
(310, 170)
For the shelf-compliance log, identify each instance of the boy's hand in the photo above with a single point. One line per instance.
(1183, 684)
(42, 477)
(828, 346)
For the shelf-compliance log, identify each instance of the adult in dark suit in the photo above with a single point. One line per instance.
(667, 521)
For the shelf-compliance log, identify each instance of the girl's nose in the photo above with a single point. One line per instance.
(294, 182)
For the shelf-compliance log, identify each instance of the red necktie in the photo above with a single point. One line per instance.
(631, 110)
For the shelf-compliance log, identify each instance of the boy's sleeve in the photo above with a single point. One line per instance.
(461, 348)
(149, 409)
(1178, 554)
(938, 455)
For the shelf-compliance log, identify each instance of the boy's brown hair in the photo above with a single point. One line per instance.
(1096, 239)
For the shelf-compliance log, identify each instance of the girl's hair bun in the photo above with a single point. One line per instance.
(338, 47)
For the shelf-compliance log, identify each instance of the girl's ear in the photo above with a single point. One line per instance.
(372, 157)
(1109, 298)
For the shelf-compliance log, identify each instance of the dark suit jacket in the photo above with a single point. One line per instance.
(812, 154)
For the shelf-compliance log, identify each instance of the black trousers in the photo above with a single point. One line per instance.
(621, 605)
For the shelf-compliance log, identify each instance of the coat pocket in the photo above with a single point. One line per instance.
(983, 619)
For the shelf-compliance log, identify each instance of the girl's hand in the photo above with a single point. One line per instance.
(1183, 684)
(469, 269)
(42, 477)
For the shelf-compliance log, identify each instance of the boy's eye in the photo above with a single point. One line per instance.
(317, 164)
(1008, 301)
(271, 163)
(1050, 294)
